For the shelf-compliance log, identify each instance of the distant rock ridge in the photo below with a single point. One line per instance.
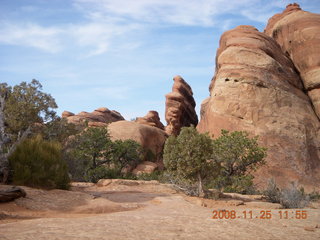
(99, 117)
(180, 107)
(151, 119)
(263, 84)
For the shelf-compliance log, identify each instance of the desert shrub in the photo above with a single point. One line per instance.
(188, 158)
(293, 197)
(59, 130)
(38, 163)
(92, 155)
(314, 196)
(238, 156)
(272, 192)
(102, 172)
(186, 186)
(238, 184)
(156, 175)
(125, 153)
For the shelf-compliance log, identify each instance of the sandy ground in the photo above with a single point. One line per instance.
(128, 210)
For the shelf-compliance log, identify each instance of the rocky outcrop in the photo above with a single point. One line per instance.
(145, 167)
(149, 137)
(298, 34)
(151, 119)
(66, 114)
(256, 88)
(180, 107)
(99, 117)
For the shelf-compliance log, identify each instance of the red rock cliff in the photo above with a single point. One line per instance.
(257, 88)
(298, 34)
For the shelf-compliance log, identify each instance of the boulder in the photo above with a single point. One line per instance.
(256, 88)
(151, 119)
(180, 107)
(149, 137)
(104, 182)
(145, 167)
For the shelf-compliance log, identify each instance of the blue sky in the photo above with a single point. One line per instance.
(121, 54)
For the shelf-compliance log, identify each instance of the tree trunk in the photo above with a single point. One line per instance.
(11, 194)
(2, 133)
(94, 162)
(200, 187)
(4, 170)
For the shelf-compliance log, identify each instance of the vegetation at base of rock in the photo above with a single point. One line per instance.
(291, 197)
(189, 157)
(156, 175)
(225, 163)
(91, 155)
(238, 156)
(38, 163)
(238, 184)
(101, 172)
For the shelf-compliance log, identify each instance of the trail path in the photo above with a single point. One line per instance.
(144, 211)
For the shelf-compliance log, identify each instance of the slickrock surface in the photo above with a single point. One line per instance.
(180, 107)
(298, 34)
(142, 210)
(99, 117)
(151, 119)
(257, 89)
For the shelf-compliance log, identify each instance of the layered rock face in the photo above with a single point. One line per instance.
(257, 88)
(98, 118)
(149, 137)
(151, 119)
(298, 34)
(180, 107)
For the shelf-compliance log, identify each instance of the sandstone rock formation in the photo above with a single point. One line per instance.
(66, 114)
(99, 117)
(151, 119)
(149, 137)
(180, 107)
(298, 34)
(257, 88)
(145, 167)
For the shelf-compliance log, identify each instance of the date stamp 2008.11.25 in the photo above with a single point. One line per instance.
(262, 214)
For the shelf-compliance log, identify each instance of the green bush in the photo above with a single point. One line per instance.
(156, 175)
(239, 156)
(188, 157)
(38, 163)
(239, 184)
(91, 155)
(225, 163)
